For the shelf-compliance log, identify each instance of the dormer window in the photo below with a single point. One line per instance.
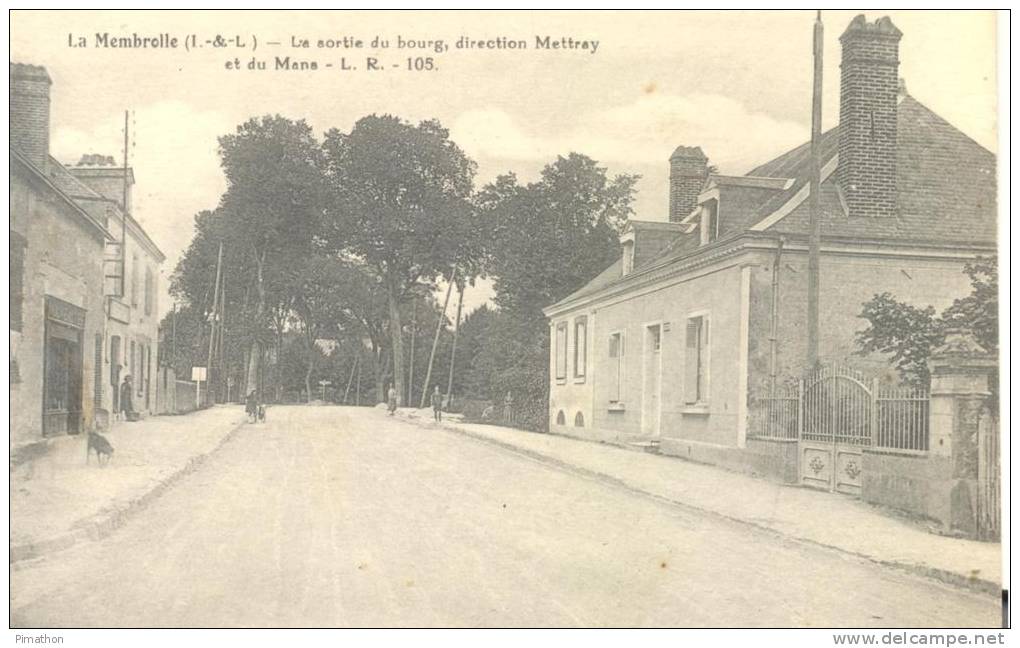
(709, 225)
(628, 257)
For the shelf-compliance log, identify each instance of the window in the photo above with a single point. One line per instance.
(580, 347)
(561, 418)
(131, 362)
(149, 291)
(561, 351)
(134, 280)
(655, 335)
(17, 277)
(709, 221)
(628, 257)
(696, 361)
(140, 377)
(114, 352)
(616, 352)
(579, 420)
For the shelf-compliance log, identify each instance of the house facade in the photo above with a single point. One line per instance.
(132, 325)
(57, 313)
(672, 344)
(72, 325)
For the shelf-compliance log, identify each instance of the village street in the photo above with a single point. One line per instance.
(329, 516)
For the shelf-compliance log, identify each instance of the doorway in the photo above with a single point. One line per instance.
(652, 381)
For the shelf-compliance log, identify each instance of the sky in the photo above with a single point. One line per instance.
(735, 83)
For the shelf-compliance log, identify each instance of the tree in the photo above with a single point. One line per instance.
(399, 200)
(548, 238)
(272, 215)
(909, 334)
(551, 237)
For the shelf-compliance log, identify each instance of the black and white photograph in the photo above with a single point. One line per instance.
(509, 319)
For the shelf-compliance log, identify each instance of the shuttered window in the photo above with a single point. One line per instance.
(17, 278)
(696, 361)
(616, 351)
(580, 347)
(561, 351)
(149, 291)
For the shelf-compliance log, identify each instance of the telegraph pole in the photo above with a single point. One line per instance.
(453, 350)
(212, 326)
(124, 215)
(435, 340)
(815, 237)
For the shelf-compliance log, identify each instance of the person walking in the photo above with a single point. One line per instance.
(391, 400)
(437, 404)
(251, 407)
(126, 404)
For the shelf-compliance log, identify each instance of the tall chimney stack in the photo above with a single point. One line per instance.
(30, 112)
(869, 83)
(688, 170)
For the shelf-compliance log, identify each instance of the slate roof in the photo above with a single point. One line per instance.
(945, 195)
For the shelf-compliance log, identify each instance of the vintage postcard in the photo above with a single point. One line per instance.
(443, 319)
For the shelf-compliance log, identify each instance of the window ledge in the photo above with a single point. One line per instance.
(578, 380)
(617, 407)
(561, 381)
(698, 409)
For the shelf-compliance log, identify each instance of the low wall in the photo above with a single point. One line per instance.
(184, 394)
(900, 481)
(772, 459)
(593, 434)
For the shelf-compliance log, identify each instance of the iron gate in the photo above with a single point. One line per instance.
(989, 495)
(837, 422)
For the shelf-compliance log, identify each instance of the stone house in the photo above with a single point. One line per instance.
(670, 345)
(56, 278)
(132, 326)
(70, 328)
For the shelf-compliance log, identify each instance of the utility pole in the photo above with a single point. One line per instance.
(220, 350)
(212, 326)
(435, 340)
(124, 215)
(815, 238)
(453, 351)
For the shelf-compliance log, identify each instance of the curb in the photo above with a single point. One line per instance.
(972, 583)
(102, 526)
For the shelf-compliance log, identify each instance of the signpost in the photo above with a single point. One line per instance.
(198, 376)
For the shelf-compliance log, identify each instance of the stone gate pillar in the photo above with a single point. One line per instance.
(960, 369)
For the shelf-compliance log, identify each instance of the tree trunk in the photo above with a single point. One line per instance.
(253, 367)
(380, 386)
(396, 341)
(435, 340)
(310, 343)
(410, 370)
(255, 360)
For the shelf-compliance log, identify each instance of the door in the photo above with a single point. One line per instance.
(63, 384)
(651, 394)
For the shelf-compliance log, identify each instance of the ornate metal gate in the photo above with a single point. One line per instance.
(837, 421)
(989, 498)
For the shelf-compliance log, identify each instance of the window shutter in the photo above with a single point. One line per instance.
(691, 360)
(703, 361)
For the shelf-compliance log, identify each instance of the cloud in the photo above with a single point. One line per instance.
(641, 133)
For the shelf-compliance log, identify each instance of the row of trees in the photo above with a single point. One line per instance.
(332, 251)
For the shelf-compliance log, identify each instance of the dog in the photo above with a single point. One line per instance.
(101, 446)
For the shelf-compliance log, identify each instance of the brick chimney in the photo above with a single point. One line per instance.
(688, 170)
(868, 89)
(30, 112)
